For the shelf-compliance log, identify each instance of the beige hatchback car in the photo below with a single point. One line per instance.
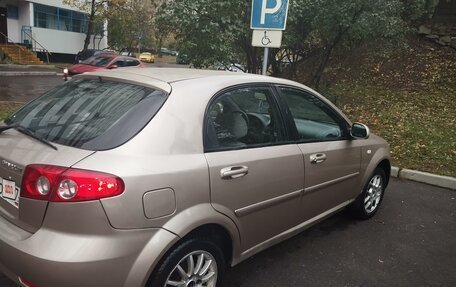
(161, 177)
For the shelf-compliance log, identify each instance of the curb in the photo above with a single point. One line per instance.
(424, 177)
(18, 73)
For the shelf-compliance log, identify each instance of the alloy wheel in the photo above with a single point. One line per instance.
(373, 193)
(196, 269)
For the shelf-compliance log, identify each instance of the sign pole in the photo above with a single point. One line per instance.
(265, 60)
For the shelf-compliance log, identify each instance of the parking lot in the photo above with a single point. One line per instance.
(410, 242)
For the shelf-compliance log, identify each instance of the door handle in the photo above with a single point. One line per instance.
(234, 172)
(317, 158)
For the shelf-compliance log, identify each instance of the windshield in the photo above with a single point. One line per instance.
(99, 61)
(94, 114)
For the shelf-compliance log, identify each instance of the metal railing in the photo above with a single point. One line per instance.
(9, 42)
(35, 49)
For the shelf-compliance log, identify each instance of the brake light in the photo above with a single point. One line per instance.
(63, 184)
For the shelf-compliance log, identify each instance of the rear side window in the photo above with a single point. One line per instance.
(94, 114)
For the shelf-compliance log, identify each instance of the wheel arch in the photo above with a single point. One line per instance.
(201, 221)
(218, 234)
(386, 166)
(380, 159)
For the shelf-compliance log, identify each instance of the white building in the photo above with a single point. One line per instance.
(46, 24)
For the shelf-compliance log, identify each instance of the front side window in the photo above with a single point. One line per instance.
(242, 118)
(94, 114)
(314, 119)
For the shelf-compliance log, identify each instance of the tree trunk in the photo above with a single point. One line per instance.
(90, 25)
(251, 56)
(160, 43)
(322, 66)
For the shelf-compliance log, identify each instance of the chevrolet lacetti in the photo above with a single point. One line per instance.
(162, 177)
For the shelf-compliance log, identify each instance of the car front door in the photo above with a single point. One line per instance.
(331, 158)
(256, 175)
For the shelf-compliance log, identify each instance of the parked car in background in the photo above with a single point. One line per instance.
(85, 54)
(147, 57)
(101, 62)
(182, 59)
(128, 54)
(166, 51)
(233, 67)
(162, 177)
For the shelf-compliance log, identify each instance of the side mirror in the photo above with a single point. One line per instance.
(112, 67)
(359, 131)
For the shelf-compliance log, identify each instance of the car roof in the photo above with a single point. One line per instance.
(163, 78)
(171, 75)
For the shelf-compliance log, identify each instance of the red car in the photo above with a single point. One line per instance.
(101, 62)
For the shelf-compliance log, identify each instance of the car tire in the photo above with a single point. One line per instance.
(206, 258)
(368, 202)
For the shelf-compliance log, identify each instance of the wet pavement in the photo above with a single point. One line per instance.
(26, 88)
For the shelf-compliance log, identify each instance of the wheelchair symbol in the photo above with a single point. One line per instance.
(265, 40)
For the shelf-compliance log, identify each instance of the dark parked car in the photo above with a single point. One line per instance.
(182, 59)
(85, 54)
(166, 51)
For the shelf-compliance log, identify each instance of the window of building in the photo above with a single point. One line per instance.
(60, 19)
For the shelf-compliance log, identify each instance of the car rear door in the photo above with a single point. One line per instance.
(331, 159)
(256, 176)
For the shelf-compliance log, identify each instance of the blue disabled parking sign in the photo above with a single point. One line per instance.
(269, 14)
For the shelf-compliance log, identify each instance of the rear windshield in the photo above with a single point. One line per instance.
(93, 114)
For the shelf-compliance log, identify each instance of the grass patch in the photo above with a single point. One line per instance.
(7, 108)
(419, 125)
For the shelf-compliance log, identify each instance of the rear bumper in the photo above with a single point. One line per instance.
(104, 257)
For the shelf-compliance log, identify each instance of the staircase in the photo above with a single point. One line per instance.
(20, 55)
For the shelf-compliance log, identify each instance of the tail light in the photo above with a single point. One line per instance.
(63, 184)
(25, 283)
(65, 74)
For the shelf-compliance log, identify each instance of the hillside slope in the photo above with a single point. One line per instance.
(408, 97)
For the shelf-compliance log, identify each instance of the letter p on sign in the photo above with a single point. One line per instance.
(269, 14)
(265, 10)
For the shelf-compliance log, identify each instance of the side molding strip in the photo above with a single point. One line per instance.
(291, 232)
(267, 203)
(327, 183)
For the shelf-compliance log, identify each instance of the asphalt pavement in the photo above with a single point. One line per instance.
(410, 242)
(26, 88)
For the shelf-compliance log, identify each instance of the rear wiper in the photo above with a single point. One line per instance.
(28, 132)
(4, 128)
